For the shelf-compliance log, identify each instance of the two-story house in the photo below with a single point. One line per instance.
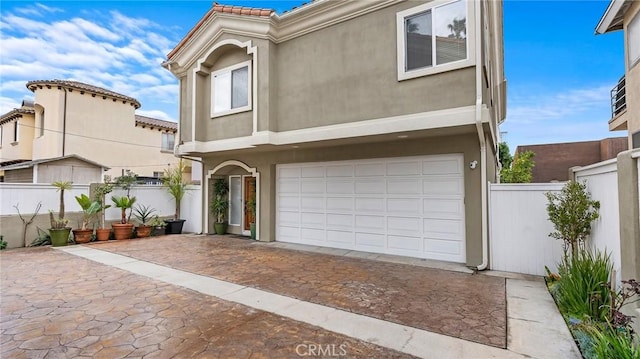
(364, 125)
(70, 118)
(625, 96)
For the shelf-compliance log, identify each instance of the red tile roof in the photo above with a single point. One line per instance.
(145, 121)
(32, 85)
(219, 8)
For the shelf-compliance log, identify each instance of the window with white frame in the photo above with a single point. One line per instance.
(433, 37)
(168, 141)
(231, 90)
(633, 40)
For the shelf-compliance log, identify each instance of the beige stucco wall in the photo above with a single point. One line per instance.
(467, 144)
(12, 227)
(108, 134)
(21, 150)
(632, 77)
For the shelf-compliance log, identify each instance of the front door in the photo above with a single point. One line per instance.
(249, 194)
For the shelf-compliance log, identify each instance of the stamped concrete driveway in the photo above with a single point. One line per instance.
(57, 305)
(466, 306)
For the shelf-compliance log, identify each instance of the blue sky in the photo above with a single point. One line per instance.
(559, 73)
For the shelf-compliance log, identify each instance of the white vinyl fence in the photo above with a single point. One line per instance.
(602, 183)
(28, 196)
(519, 228)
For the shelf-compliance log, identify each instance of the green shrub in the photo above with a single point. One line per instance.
(582, 290)
(610, 343)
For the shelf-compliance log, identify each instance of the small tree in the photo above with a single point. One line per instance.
(571, 211)
(61, 222)
(520, 170)
(505, 155)
(176, 186)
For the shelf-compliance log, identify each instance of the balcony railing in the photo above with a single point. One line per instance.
(618, 98)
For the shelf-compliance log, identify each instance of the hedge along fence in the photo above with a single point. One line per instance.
(27, 196)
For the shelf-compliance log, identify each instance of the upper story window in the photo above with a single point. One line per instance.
(633, 40)
(433, 38)
(230, 90)
(1, 130)
(168, 141)
(41, 132)
(15, 131)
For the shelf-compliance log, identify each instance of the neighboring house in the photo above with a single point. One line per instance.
(70, 168)
(553, 160)
(625, 96)
(73, 118)
(352, 125)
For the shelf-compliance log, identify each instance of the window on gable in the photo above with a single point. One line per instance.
(230, 90)
(433, 38)
(633, 40)
(168, 141)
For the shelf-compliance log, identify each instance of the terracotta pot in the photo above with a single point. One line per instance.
(143, 231)
(122, 231)
(82, 235)
(103, 234)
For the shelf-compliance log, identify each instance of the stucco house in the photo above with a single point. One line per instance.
(364, 125)
(625, 96)
(97, 124)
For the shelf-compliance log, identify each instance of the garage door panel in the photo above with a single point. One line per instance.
(312, 203)
(405, 243)
(288, 172)
(340, 171)
(340, 220)
(442, 186)
(287, 203)
(403, 205)
(312, 235)
(289, 186)
(442, 167)
(442, 247)
(403, 168)
(312, 220)
(411, 206)
(312, 172)
(373, 241)
(342, 239)
(442, 228)
(404, 225)
(372, 224)
(445, 208)
(370, 205)
(370, 186)
(340, 187)
(403, 186)
(370, 169)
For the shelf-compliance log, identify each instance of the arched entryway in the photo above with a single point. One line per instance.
(244, 187)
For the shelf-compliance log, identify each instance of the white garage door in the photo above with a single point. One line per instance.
(410, 206)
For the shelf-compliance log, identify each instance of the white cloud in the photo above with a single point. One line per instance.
(110, 50)
(155, 114)
(7, 104)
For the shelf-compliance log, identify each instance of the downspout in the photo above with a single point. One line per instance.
(64, 122)
(481, 138)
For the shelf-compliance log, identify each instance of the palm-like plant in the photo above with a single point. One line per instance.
(172, 180)
(123, 203)
(143, 213)
(61, 222)
(219, 208)
(89, 209)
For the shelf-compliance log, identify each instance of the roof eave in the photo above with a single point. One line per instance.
(612, 18)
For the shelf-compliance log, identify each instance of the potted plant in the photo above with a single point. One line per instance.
(59, 232)
(157, 226)
(251, 207)
(173, 182)
(103, 233)
(123, 229)
(220, 205)
(89, 210)
(143, 214)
